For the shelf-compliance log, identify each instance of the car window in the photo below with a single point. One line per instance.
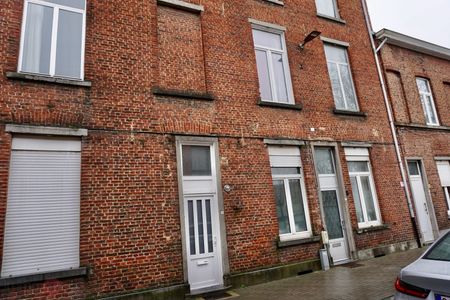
(441, 250)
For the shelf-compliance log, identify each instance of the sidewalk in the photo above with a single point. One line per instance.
(369, 279)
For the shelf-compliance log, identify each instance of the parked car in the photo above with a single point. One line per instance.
(429, 276)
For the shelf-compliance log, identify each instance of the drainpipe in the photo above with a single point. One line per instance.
(390, 117)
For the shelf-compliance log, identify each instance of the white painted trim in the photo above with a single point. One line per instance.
(411, 43)
(267, 25)
(182, 5)
(442, 158)
(334, 42)
(43, 130)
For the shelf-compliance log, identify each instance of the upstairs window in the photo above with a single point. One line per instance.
(426, 97)
(272, 64)
(327, 8)
(341, 78)
(52, 42)
(290, 195)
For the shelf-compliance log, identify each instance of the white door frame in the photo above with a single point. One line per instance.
(428, 200)
(205, 141)
(342, 199)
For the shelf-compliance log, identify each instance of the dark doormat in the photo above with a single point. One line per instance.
(221, 295)
(351, 265)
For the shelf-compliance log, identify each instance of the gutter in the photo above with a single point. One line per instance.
(390, 117)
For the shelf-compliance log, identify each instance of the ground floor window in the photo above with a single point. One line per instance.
(444, 176)
(290, 196)
(363, 187)
(43, 206)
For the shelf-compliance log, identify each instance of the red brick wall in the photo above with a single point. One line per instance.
(419, 142)
(130, 226)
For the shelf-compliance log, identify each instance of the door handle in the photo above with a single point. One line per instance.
(426, 207)
(215, 241)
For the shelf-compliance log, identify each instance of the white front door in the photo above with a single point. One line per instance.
(201, 217)
(329, 189)
(420, 201)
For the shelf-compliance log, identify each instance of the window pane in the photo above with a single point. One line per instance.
(335, 54)
(282, 212)
(368, 198)
(267, 39)
(209, 225)
(431, 117)
(297, 206)
(196, 161)
(422, 85)
(263, 75)
(336, 86)
(201, 237)
(285, 171)
(324, 161)
(348, 87)
(358, 166)
(37, 40)
(413, 168)
(356, 198)
(332, 215)
(69, 42)
(191, 227)
(80, 4)
(280, 79)
(326, 7)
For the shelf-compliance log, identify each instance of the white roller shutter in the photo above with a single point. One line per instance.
(284, 156)
(444, 172)
(43, 208)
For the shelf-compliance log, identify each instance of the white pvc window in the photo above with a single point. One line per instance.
(363, 187)
(52, 40)
(444, 176)
(272, 63)
(341, 78)
(426, 98)
(327, 8)
(290, 195)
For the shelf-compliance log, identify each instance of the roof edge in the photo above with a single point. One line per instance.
(411, 43)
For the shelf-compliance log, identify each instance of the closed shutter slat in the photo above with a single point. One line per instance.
(42, 218)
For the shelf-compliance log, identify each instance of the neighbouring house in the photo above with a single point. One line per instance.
(165, 147)
(418, 79)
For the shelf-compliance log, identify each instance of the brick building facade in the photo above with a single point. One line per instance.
(202, 144)
(418, 79)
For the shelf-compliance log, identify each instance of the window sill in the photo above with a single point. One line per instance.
(349, 113)
(157, 91)
(10, 281)
(337, 20)
(300, 241)
(46, 79)
(372, 228)
(275, 2)
(422, 126)
(280, 105)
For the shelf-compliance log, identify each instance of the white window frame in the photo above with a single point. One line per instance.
(424, 105)
(443, 167)
(336, 10)
(287, 73)
(361, 155)
(56, 8)
(344, 46)
(293, 235)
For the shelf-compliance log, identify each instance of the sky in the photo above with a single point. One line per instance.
(427, 20)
